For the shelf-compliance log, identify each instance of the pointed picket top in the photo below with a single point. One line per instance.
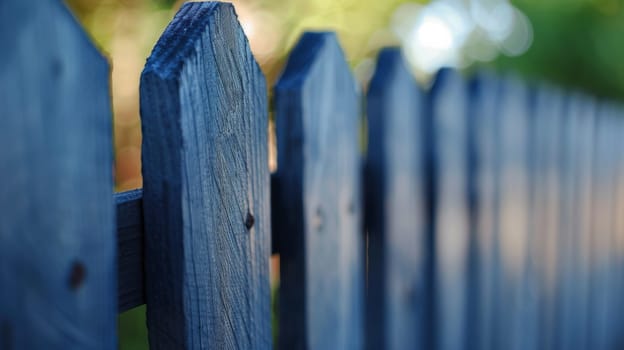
(317, 124)
(57, 241)
(448, 113)
(398, 274)
(206, 185)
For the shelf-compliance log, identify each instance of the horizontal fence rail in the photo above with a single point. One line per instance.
(480, 213)
(130, 250)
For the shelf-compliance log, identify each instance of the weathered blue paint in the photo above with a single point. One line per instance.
(484, 119)
(130, 249)
(448, 108)
(58, 285)
(206, 185)
(397, 274)
(321, 246)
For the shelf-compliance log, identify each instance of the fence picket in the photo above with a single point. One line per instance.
(57, 241)
(611, 275)
(583, 220)
(485, 93)
(547, 130)
(448, 113)
(206, 185)
(600, 240)
(618, 306)
(567, 303)
(318, 120)
(397, 254)
(515, 300)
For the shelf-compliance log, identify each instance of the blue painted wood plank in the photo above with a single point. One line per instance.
(546, 195)
(582, 221)
(484, 110)
(319, 169)
(618, 207)
(397, 255)
(569, 309)
(448, 108)
(130, 250)
(611, 275)
(206, 185)
(516, 307)
(601, 231)
(57, 232)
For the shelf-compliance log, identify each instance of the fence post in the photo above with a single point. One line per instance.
(448, 113)
(58, 286)
(318, 120)
(206, 185)
(397, 242)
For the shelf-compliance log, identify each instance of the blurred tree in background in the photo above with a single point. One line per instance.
(574, 43)
(577, 43)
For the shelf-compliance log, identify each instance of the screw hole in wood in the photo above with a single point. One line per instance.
(249, 221)
(77, 275)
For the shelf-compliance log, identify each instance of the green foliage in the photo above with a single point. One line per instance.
(577, 43)
(132, 329)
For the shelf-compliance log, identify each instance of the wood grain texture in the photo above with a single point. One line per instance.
(396, 227)
(130, 250)
(206, 185)
(484, 118)
(57, 241)
(448, 107)
(321, 246)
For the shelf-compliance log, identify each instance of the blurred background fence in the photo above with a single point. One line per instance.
(490, 206)
(573, 43)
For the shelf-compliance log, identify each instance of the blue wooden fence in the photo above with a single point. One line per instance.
(480, 213)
